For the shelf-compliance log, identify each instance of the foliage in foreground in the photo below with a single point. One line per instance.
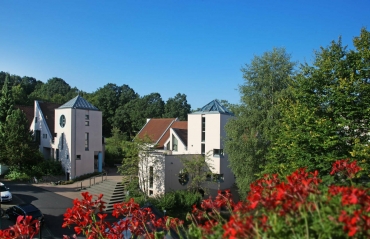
(299, 206)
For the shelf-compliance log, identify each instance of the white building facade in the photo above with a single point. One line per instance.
(203, 135)
(70, 133)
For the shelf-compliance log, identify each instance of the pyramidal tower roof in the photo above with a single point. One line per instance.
(214, 107)
(78, 103)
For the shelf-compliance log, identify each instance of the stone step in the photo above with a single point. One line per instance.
(114, 192)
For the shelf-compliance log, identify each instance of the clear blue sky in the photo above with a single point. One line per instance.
(194, 47)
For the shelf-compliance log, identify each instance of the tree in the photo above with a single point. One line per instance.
(55, 90)
(121, 119)
(328, 115)
(197, 171)
(141, 160)
(140, 109)
(177, 107)
(250, 133)
(6, 101)
(113, 147)
(17, 145)
(106, 99)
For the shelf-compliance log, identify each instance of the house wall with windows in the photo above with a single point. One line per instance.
(70, 133)
(63, 142)
(205, 135)
(78, 142)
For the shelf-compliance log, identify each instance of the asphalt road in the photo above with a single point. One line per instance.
(52, 205)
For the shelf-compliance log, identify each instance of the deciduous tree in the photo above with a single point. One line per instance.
(250, 133)
(329, 112)
(177, 107)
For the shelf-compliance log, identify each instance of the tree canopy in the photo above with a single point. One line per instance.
(327, 117)
(250, 133)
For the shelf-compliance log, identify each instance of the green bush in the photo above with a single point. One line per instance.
(187, 199)
(14, 173)
(46, 168)
(133, 188)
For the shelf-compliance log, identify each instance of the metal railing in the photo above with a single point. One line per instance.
(99, 176)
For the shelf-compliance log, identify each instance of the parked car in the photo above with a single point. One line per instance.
(6, 196)
(25, 210)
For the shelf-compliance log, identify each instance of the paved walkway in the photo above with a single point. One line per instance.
(73, 190)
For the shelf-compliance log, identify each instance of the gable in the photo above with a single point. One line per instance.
(47, 110)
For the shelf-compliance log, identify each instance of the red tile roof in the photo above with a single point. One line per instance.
(48, 111)
(155, 129)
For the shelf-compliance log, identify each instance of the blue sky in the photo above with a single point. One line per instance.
(194, 47)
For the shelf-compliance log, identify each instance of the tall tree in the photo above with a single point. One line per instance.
(140, 109)
(177, 107)
(121, 119)
(6, 101)
(250, 133)
(17, 145)
(106, 99)
(328, 115)
(54, 90)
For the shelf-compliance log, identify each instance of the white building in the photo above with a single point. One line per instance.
(202, 134)
(70, 133)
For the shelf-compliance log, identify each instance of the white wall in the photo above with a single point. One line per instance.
(74, 139)
(43, 128)
(64, 145)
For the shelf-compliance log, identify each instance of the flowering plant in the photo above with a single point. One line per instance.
(295, 207)
(299, 206)
(24, 228)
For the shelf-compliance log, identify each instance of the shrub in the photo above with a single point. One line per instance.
(14, 173)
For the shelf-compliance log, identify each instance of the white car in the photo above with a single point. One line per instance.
(6, 196)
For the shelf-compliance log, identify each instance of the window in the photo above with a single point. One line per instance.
(62, 121)
(168, 146)
(151, 177)
(203, 149)
(218, 152)
(35, 119)
(78, 157)
(87, 123)
(86, 141)
(86, 117)
(62, 139)
(57, 154)
(174, 143)
(150, 192)
(38, 136)
(44, 136)
(218, 178)
(203, 128)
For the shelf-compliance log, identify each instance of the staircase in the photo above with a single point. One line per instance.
(114, 192)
